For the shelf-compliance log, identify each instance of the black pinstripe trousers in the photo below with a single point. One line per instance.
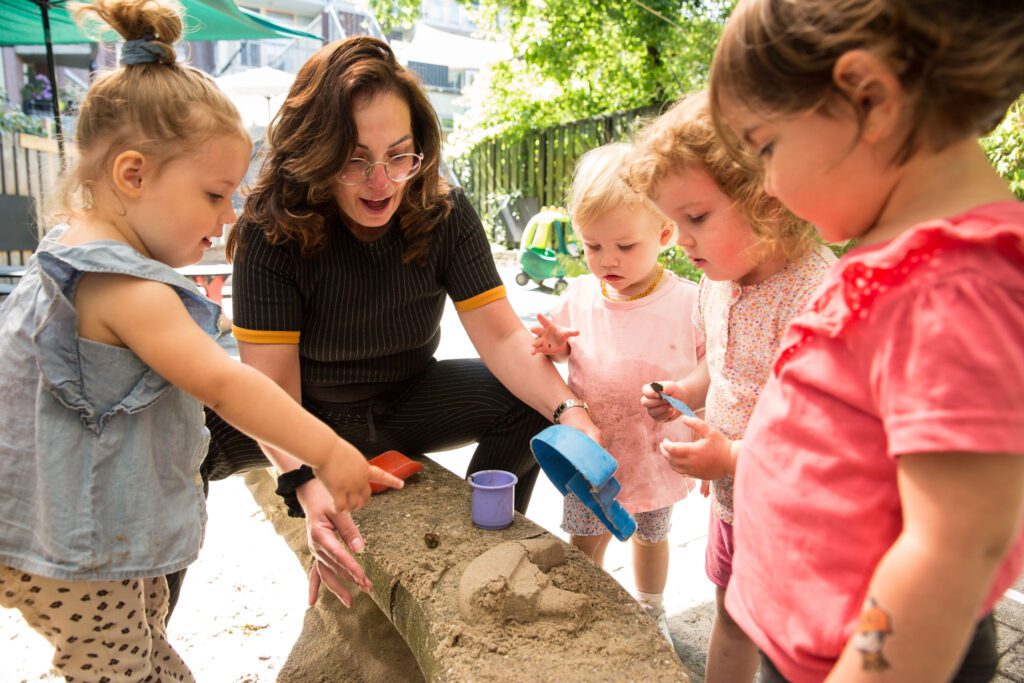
(451, 404)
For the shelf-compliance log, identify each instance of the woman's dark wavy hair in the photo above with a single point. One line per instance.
(314, 135)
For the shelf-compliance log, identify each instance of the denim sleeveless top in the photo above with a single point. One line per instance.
(99, 455)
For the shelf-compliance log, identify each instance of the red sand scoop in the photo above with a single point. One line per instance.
(394, 463)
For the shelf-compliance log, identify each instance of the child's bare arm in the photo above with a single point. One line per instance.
(149, 318)
(961, 515)
(333, 537)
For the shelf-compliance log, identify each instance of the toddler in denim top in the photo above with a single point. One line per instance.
(73, 507)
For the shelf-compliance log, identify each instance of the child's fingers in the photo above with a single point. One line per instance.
(705, 488)
(537, 330)
(664, 414)
(544, 321)
(541, 345)
(649, 394)
(677, 451)
(351, 501)
(570, 333)
(659, 411)
(379, 476)
(700, 427)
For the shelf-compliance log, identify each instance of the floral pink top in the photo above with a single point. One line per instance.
(743, 326)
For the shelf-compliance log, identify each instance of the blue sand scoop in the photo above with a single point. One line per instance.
(575, 462)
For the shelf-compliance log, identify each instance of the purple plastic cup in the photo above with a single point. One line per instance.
(493, 498)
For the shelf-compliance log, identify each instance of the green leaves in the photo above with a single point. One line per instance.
(574, 60)
(1005, 148)
(395, 14)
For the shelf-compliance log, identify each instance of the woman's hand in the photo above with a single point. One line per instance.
(550, 339)
(581, 420)
(711, 456)
(332, 538)
(657, 407)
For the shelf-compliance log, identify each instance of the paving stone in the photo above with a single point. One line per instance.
(691, 631)
(1011, 666)
(1007, 637)
(1009, 613)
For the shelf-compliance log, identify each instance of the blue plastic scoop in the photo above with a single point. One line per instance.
(672, 401)
(575, 462)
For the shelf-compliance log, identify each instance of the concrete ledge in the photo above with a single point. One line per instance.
(417, 587)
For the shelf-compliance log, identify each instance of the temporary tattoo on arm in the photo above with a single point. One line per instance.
(874, 625)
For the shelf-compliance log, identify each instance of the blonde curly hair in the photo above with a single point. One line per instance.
(684, 138)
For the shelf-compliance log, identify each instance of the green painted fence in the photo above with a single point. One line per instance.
(538, 164)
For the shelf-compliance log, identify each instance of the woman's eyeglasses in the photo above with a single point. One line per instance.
(398, 168)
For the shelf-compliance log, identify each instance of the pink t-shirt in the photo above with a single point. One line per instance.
(622, 346)
(912, 346)
(744, 326)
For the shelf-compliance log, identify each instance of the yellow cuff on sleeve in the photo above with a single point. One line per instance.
(481, 299)
(265, 336)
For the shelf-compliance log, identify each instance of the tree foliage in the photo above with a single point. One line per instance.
(1005, 147)
(573, 59)
(395, 14)
(12, 119)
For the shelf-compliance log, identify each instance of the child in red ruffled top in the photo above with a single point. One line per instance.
(880, 485)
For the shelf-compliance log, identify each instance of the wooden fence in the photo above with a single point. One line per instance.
(539, 164)
(29, 175)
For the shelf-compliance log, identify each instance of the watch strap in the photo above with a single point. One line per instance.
(565, 405)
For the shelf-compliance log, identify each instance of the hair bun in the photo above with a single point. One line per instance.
(150, 27)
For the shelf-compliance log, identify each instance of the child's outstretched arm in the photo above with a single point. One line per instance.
(552, 340)
(691, 390)
(149, 318)
(961, 515)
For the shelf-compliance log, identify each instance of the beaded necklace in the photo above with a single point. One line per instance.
(641, 295)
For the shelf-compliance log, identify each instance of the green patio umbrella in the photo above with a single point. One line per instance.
(21, 23)
(48, 22)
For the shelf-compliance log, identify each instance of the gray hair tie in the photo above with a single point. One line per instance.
(145, 51)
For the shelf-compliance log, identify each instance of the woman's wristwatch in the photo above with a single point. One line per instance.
(565, 405)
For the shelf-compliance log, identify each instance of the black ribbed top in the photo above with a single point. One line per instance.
(362, 315)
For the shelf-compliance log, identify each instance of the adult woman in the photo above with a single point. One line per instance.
(348, 244)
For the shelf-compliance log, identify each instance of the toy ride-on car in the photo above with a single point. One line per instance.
(547, 240)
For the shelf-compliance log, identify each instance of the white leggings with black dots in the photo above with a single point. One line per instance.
(102, 631)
